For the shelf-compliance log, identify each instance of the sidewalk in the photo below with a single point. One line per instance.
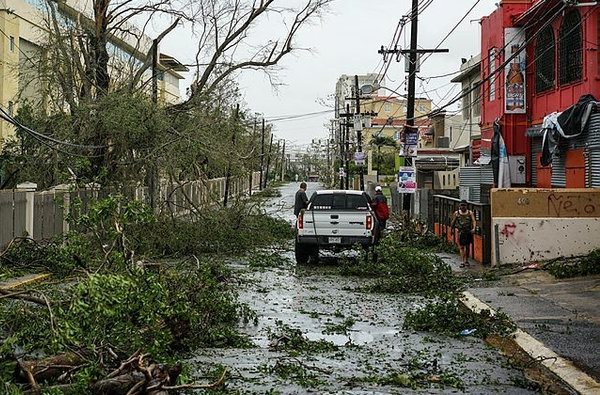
(560, 318)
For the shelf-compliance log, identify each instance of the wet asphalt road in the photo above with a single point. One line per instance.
(369, 341)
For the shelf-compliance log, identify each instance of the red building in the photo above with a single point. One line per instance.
(540, 57)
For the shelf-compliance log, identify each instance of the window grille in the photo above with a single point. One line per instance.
(570, 48)
(545, 60)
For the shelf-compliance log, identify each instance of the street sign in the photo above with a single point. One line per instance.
(358, 123)
(359, 158)
(407, 180)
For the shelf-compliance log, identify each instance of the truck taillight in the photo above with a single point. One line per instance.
(369, 222)
(301, 221)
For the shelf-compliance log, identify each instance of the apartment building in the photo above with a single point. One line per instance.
(23, 39)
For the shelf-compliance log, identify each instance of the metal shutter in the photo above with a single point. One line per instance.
(593, 157)
(536, 148)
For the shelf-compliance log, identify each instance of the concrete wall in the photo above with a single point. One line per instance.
(541, 224)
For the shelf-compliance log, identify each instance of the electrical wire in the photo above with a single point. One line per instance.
(8, 118)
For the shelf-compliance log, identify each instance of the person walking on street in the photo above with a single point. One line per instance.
(464, 220)
(380, 206)
(301, 201)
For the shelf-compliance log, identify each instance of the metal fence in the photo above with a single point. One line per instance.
(442, 209)
(43, 214)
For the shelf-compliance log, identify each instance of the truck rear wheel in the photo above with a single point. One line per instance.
(302, 253)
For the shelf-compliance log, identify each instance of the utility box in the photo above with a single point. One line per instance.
(443, 142)
(518, 169)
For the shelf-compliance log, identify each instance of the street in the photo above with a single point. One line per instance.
(317, 332)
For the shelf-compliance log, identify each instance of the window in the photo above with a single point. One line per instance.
(11, 108)
(570, 45)
(544, 60)
(466, 102)
(387, 108)
(476, 99)
(338, 202)
(11, 44)
(492, 73)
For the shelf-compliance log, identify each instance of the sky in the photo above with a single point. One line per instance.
(346, 41)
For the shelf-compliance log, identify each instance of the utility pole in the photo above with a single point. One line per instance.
(347, 138)
(341, 135)
(283, 162)
(262, 154)
(252, 159)
(276, 164)
(268, 161)
(413, 53)
(228, 175)
(152, 175)
(358, 129)
(345, 145)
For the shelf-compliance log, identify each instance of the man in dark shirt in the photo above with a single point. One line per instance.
(301, 201)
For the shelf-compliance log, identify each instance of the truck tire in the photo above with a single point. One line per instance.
(314, 254)
(302, 253)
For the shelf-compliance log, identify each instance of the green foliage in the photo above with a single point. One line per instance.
(269, 192)
(267, 259)
(422, 370)
(295, 371)
(339, 328)
(293, 341)
(157, 313)
(448, 316)
(225, 230)
(414, 233)
(400, 269)
(587, 265)
(171, 312)
(60, 256)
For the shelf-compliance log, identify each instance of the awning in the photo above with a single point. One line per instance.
(436, 163)
(461, 148)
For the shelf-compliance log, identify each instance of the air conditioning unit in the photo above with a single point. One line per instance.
(443, 142)
(518, 170)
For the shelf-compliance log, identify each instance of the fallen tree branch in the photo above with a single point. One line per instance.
(18, 295)
(217, 384)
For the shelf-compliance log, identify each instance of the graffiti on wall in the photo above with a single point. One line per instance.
(571, 205)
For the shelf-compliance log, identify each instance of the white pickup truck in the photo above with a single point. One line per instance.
(335, 220)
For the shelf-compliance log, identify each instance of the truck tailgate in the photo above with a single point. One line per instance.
(337, 223)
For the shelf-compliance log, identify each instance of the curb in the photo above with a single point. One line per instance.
(564, 369)
(23, 281)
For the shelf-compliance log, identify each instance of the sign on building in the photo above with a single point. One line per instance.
(514, 71)
(359, 158)
(409, 148)
(407, 180)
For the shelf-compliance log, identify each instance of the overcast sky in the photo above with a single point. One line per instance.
(346, 41)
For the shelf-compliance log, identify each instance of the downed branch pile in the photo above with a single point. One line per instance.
(114, 324)
(574, 267)
(400, 269)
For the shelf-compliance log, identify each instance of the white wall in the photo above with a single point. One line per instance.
(523, 240)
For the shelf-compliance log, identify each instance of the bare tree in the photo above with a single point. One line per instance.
(225, 45)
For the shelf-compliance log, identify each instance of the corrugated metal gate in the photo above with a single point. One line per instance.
(559, 178)
(472, 177)
(593, 152)
(536, 148)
